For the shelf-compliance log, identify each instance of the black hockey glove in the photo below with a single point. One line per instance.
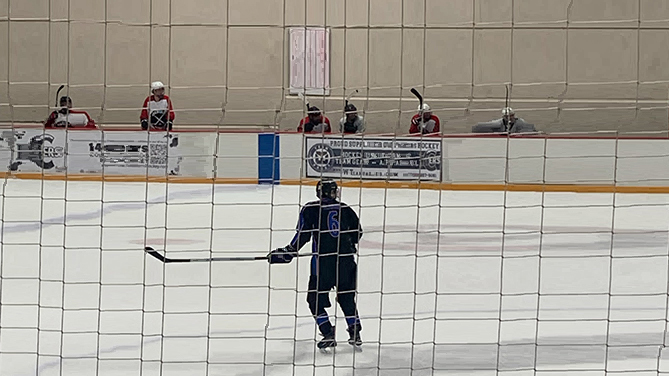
(281, 255)
(145, 124)
(309, 127)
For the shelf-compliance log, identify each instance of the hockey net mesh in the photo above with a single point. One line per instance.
(450, 282)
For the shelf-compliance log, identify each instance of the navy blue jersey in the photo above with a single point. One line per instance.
(332, 226)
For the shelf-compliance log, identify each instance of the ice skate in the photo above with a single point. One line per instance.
(354, 336)
(327, 342)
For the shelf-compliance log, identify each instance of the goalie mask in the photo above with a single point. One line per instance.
(326, 188)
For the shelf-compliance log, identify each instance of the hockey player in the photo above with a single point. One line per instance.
(427, 123)
(351, 122)
(334, 229)
(314, 122)
(509, 123)
(67, 117)
(157, 112)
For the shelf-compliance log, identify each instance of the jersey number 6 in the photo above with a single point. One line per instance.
(333, 222)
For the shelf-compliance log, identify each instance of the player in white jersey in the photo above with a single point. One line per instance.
(67, 117)
(157, 111)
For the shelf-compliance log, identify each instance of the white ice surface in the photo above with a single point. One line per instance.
(450, 283)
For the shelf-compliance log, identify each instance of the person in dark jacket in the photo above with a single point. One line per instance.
(334, 230)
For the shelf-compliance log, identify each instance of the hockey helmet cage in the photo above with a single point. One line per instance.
(65, 100)
(157, 85)
(350, 108)
(326, 188)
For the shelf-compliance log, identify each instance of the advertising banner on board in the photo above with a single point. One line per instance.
(33, 150)
(383, 158)
(123, 153)
(53, 151)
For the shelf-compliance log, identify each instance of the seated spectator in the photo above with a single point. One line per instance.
(315, 122)
(67, 117)
(157, 111)
(424, 121)
(351, 122)
(509, 123)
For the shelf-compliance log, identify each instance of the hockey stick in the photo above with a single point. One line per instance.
(304, 99)
(506, 101)
(420, 107)
(420, 97)
(351, 95)
(57, 94)
(168, 260)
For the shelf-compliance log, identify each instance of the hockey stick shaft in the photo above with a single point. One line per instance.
(168, 260)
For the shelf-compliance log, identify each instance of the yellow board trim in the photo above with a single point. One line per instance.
(577, 188)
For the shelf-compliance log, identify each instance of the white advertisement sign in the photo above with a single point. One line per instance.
(124, 153)
(310, 61)
(373, 158)
(33, 150)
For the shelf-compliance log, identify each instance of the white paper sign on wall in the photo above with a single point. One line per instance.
(310, 60)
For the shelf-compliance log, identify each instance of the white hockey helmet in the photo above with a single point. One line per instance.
(506, 111)
(157, 85)
(425, 108)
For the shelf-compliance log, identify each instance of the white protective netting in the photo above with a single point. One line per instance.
(482, 283)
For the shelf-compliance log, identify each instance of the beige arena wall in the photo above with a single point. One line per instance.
(575, 65)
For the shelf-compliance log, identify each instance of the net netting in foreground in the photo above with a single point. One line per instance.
(449, 282)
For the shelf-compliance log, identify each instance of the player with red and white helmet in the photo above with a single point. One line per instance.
(157, 111)
(424, 121)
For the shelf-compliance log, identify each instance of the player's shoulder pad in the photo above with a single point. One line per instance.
(311, 204)
(342, 206)
(310, 209)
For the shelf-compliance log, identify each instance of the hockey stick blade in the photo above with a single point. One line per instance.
(304, 99)
(58, 93)
(155, 254)
(417, 94)
(168, 260)
(351, 95)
